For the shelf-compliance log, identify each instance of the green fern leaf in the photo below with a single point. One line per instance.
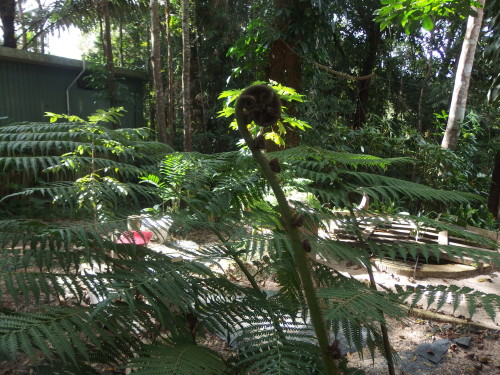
(177, 359)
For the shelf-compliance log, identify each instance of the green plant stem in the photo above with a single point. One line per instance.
(253, 282)
(251, 279)
(230, 252)
(383, 327)
(301, 261)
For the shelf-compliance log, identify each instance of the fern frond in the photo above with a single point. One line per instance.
(411, 251)
(24, 146)
(54, 332)
(264, 350)
(382, 187)
(109, 190)
(329, 157)
(37, 127)
(454, 295)
(355, 302)
(56, 367)
(177, 359)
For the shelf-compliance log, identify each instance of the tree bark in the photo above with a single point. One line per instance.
(425, 82)
(462, 80)
(157, 78)
(22, 21)
(285, 66)
(494, 196)
(373, 34)
(39, 44)
(170, 70)
(8, 16)
(103, 9)
(186, 71)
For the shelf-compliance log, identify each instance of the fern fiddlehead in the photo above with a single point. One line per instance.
(262, 105)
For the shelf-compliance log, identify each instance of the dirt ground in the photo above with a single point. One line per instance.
(481, 356)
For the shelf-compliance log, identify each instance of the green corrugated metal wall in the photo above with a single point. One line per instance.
(31, 85)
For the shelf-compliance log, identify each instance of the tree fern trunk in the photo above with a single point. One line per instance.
(462, 80)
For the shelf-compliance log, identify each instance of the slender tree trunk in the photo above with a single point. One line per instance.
(170, 70)
(109, 54)
(186, 71)
(22, 21)
(425, 82)
(462, 80)
(494, 197)
(8, 16)
(157, 78)
(373, 40)
(103, 9)
(120, 50)
(41, 33)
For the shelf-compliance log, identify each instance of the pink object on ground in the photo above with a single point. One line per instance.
(135, 237)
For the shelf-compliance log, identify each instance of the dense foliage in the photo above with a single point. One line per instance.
(370, 82)
(74, 297)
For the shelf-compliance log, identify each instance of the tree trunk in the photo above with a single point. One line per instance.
(120, 49)
(285, 66)
(157, 78)
(373, 34)
(22, 21)
(425, 83)
(8, 16)
(462, 80)
(103, 9)
(170, 70)
(39, 44)
(186, 71)
(494, 197)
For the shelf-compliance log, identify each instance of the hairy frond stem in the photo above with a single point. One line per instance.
(261, 104)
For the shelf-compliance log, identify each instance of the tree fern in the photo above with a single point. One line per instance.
(133, 307)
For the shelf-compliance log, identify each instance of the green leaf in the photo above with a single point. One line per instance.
(428, 24)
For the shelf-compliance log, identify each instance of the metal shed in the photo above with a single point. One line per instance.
(32, 84)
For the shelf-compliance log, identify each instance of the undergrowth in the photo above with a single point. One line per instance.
(73, 296)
